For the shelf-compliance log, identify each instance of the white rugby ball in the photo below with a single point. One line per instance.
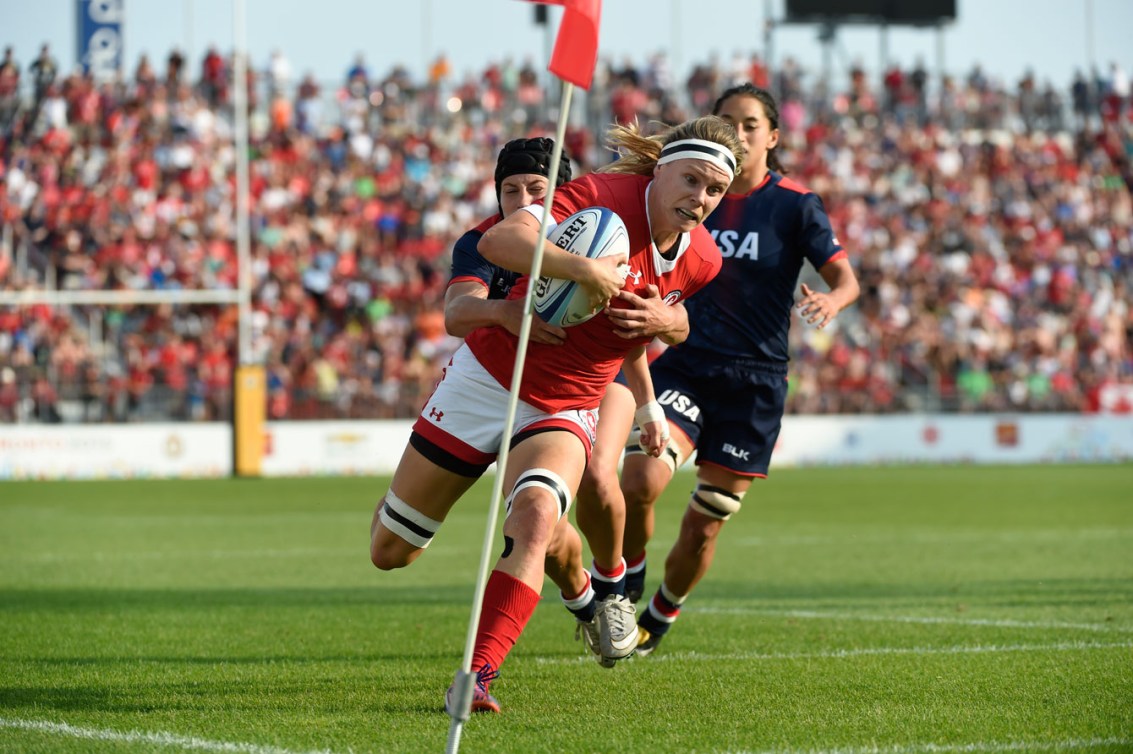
(594, 232)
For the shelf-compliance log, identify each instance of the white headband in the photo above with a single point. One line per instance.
(699, 149)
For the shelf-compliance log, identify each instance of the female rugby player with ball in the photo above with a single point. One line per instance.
(663, 189)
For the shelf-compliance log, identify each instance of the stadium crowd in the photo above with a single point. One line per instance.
(991, 226)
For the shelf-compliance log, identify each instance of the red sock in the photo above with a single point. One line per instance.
(508, 605)
(611, 574)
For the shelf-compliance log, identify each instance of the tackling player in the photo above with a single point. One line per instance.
(477, 293)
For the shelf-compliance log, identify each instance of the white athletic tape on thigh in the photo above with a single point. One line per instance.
(715, 502)
(406, 522)
(546, 479)
(671, 455)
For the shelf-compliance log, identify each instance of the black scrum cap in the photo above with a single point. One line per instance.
(521, 156)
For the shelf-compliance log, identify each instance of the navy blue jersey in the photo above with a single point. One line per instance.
(763, 236)
(468, 264)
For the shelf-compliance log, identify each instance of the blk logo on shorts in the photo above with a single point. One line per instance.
(735, 452)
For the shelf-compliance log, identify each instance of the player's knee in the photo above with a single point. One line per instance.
(388, 555)
(697, 531)
(531, 524)
(598, 485)
(538, 500)
(714, 502)
(591, 484)
(400, 534)
(643, 482)
(388, 551)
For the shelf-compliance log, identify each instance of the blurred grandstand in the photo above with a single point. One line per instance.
(991, 226)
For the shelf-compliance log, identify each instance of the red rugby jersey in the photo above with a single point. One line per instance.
(574, 375)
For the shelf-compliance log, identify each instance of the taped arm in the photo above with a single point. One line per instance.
(649, 416)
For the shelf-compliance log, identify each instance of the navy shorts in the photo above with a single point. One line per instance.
(731, 409)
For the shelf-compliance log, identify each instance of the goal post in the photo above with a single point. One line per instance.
(249, 416)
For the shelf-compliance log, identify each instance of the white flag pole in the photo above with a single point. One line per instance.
(465, 679)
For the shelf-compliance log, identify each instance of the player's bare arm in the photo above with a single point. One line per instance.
(819, 308)
(467, 307)
(649, 316)
(649, 416)
(509, 244)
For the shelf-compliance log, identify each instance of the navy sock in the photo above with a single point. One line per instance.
(635, 577)
(661, 613)
(607, 582)
(583, 605)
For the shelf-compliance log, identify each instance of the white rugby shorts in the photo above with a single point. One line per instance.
(465, 414)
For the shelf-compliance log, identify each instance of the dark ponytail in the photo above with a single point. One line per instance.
(771, 109)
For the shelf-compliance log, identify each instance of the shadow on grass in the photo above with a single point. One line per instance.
(63, 699)
(108, 662)
(102, 600)
(282, 698)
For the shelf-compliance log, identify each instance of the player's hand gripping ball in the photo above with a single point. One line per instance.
(594, 232)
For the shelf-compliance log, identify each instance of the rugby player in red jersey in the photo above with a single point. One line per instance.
(663, 189)
(477, 296)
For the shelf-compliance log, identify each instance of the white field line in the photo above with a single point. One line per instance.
(159, 738)
(1073, 744)
(839, 654)
(200, 744)
(992, 622)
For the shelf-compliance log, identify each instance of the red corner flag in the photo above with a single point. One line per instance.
(576, 46)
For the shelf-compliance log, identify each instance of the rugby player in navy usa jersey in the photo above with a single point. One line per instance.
(724, 389)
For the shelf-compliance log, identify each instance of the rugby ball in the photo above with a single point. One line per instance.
(594, 232)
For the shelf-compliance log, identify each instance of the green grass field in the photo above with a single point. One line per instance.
(855, 611)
